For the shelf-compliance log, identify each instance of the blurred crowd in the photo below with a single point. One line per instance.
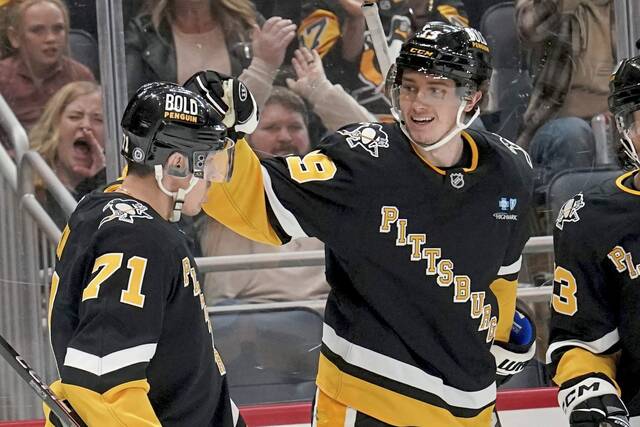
(312, 69)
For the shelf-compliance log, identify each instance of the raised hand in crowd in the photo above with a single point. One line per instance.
(270, 42)
(353, 29)
(309, 72)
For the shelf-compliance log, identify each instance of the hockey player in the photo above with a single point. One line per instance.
(594, 342)
(424, 223)
(129, 327)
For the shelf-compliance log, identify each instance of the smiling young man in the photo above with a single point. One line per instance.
(424, 223)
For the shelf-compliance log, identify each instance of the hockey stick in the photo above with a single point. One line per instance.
(66, 415)
(378, 36)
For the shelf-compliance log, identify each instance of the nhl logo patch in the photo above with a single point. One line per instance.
(457, 180)
(369, 136)
(569, 211)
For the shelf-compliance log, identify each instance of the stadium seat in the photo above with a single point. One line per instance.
(270, 355)
(511, 83)
(84, 49)
(568, 183)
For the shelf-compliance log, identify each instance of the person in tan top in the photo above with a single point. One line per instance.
(172, 39)
(282, 130)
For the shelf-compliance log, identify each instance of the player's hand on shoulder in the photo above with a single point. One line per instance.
(231, 99)
(593, 402)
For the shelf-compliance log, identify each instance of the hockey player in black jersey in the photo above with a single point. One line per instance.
(424, 223)
(129, 328)
(594, 338)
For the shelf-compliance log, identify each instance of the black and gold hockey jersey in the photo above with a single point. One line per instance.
(129, 327)
(595, 320)
(422, 263)
(320, 28)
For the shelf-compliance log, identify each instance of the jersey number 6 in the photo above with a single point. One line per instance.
(106, 265)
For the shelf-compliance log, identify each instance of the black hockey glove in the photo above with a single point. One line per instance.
(592, 401)
(511, 357)
(230, 98)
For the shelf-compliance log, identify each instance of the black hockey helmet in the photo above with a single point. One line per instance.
(163, 118)
(624, 103)
(441, 49)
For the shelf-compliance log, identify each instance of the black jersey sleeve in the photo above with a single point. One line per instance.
(583, 332)
(289, 197)
(517, 169)
(126, 284)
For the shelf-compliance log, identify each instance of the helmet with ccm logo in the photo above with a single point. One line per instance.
(449, 51)
(164, 118)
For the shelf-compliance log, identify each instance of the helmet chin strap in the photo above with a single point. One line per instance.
(177, 196)
(457, 128)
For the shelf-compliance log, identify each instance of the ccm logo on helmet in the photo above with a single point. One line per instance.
(179, 107)
(421, 52)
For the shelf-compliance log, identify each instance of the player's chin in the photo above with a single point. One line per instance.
(191, 210)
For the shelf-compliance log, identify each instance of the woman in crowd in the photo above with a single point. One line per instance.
(70, 138)
(37, 65)
(173, 39)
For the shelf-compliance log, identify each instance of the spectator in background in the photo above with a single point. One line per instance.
(70, 138)
(330, 102)
(573, 42)
(175, 38)
(282, 129)
(337, 30)
(38, 65)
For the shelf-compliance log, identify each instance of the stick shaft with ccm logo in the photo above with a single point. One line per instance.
(65, 414)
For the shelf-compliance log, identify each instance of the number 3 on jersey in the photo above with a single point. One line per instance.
(315, 166)
(564, 296)
(106, 265)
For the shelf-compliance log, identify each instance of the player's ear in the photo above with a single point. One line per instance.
(177, 165)
(474, 99)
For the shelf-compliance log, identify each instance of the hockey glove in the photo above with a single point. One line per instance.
(229, 97)
(511, 357)
(592, 402)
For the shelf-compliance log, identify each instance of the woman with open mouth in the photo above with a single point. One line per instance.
(70, 138)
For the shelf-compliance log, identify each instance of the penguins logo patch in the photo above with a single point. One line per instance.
(125, 210)
(569, 211)
(369, 136)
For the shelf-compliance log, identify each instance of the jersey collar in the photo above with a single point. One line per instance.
(474, 155)
(620, 183)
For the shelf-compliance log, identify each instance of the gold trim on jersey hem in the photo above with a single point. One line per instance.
(623, 187)
(474, 155)
(386, 405)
